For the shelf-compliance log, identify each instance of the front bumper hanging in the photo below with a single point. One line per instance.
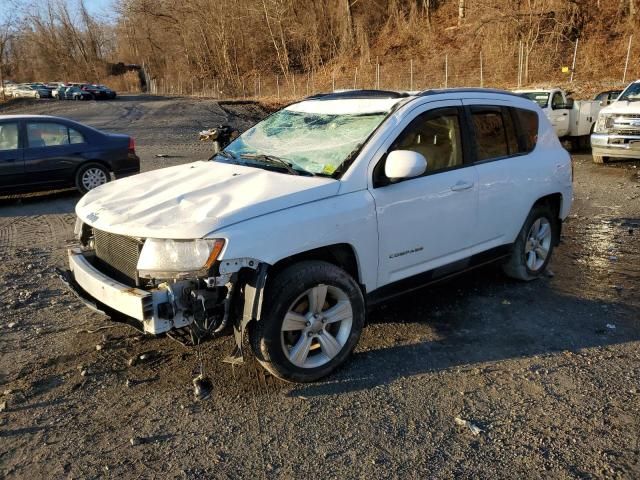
(96, 290)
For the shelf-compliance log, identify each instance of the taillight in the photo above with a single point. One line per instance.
(132, 145)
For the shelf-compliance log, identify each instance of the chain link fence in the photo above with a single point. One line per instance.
(457, 69)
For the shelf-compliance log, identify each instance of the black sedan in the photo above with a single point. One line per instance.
(44, 153)
(100, 92)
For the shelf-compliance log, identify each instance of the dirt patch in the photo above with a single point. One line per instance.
(548, 370)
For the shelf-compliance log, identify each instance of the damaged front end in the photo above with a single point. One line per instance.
(167, 284)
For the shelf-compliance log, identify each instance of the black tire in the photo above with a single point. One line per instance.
(517, 266)
(80, 184)
(266, 336)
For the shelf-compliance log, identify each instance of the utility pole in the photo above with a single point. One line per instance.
(446, 71)
(626, 63)
(573, 66)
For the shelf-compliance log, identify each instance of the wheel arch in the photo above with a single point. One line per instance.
(342, 255)
(554, 202)
(86, 162)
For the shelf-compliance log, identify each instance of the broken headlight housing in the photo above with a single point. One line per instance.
(604, 123)
(165, 259)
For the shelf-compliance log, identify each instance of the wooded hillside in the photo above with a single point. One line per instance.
(287, 46)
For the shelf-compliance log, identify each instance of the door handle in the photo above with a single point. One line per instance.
(460, 186)
(565, 114)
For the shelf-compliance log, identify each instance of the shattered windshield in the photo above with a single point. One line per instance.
(631, 93)
(315, 143)
(541, 98)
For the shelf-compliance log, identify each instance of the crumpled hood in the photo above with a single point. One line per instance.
(190, 201)
(622, 107)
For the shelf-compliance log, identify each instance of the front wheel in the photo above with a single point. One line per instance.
(313, 315)
(534, 245)
(90, 176)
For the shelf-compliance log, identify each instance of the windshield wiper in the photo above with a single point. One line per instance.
(273, 160)
(229, 155)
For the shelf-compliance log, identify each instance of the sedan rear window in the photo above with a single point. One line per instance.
(52, 134)
(47, 134)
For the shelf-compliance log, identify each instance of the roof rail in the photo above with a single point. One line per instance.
(441, 91)
(357, 94)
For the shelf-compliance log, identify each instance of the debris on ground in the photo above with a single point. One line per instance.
(136, 441)
(472, 426)
(611, 326)
(202, 387)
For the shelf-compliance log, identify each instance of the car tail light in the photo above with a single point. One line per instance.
(132, 145)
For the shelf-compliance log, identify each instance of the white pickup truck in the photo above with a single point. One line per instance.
(573, 121)
(617, 131)
(311, 217)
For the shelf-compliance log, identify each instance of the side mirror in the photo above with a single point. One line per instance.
(402, 164)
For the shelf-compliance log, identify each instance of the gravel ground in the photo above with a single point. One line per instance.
(481, 377)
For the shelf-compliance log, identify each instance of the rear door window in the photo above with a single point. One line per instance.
(527, 127)
(8, 136)
(41, 134)
(490, 133)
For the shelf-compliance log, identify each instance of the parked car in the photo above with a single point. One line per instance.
(617, 131)
(573, 121)
(58, 92)
(73, 93)
(100, 92)
(322, 210)
(42, 153)
(30, 91)
(607, 97)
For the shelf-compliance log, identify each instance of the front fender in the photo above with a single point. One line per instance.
(348, 219)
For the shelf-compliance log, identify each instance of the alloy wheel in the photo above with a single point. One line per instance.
(317, 326)
(538, 244)
(93, 177)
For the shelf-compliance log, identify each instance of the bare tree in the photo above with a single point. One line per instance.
(8, 27)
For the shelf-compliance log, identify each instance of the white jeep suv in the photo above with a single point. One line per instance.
(322, 210)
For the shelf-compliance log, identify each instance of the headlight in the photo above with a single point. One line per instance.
(177, 258)
(604, 123)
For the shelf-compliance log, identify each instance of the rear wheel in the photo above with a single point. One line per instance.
(534, 245)
(312, 319)
(90, 176)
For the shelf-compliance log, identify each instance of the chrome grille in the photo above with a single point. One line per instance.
(626, 131)
(118, 252)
